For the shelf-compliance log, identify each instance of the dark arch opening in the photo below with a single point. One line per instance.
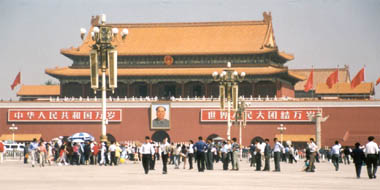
(111, 138)
(160, 135)
(212, 136)
(260, 139)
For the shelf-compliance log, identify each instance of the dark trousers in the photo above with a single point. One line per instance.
(201, 161)
(335, 161)
(152, 163)
(113, 159)
(371, 165)
(346, 159)
(191, 155)
(313, 156)
(210, 161)
(225, 160)
(258, 161)
(164, 163)
(253, 159)
(358, 169)
(146, 162)
(277, 157)
(267, 164)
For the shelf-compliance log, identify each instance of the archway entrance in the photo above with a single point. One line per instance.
(160, 135)
(212, 136)
(258, 138)
(111, 138)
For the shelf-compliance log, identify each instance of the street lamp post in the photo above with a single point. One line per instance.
(240, 117)
(104, 55)
(281, 129)
(13, 128)
(228, 83)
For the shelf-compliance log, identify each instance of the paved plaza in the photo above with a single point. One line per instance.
(15, 175)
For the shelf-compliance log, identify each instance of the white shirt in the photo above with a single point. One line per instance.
(313, 147)
(371, 148)
(278, 147)
(165, 148)
(112, 148)
(191, 149)
(336, 149)
(147, 148)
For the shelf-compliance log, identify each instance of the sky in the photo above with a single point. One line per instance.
(320, 33)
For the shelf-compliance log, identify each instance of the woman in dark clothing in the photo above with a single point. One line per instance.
(358, 156)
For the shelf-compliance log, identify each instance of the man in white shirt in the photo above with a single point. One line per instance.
(335, 152)
(147, 152)
(165, 148)
(313, 152)
(191, 154)
(277, 150)
(371, 152)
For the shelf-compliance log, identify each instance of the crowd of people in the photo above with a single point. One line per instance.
(203, 153)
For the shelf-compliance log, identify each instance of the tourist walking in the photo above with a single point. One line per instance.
(1, 152)
(313, 153)
(335, 152)
(224, 150)
(371, 152)
(200, 148)
(277, 150)
(267, 154)
(33, 148)
(209, 155)
(258, 155)
(147, 152)
(165, 152)
(112, 150)
(183, 154)
(359, 157)
(191, 154)
(346, 154)
(235, 154)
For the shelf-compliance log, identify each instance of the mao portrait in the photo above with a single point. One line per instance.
(160, 116)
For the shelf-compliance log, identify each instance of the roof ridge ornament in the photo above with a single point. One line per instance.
(267, 17)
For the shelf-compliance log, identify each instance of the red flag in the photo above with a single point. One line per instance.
(358, 78)
(309, 83)
(17, 81)
(378, 81)
(332, 79)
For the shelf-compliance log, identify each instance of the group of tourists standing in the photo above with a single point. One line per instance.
(368, 155)
(204, 154)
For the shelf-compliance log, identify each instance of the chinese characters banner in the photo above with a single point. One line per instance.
(261, 115)
(62, 115)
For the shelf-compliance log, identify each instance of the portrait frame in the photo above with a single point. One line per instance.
(154, 121)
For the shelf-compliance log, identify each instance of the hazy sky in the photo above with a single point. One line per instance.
(319, 33)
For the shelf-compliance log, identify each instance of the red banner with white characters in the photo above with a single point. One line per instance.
(62, 115)
(262, 115)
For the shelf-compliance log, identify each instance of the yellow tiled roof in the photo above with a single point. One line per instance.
(67, 71)
(203, 38)
(295, 138)
(20, 137)
(39, 90)
(345, 88)
(320, 76)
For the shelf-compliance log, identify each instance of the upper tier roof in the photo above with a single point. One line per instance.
(320, 76)
(203, 38)
(142, 72)
(39, 90)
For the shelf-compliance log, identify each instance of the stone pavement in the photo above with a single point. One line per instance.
(14, 176)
